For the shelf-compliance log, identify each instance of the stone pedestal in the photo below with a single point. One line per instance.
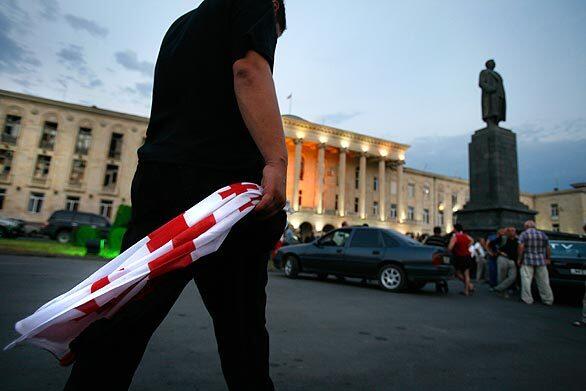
(494, 183)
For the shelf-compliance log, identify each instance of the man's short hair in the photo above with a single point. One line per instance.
(281, 17)
(458, 227)
(529, 224)
(437, 230)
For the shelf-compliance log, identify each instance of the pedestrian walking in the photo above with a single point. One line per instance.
(459, 246)
(507, 262)
(214, 121)
(481, 260)
(534, 256)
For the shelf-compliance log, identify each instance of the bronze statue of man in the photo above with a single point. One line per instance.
(494, 103)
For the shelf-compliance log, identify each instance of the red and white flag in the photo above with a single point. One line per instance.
(186, 238)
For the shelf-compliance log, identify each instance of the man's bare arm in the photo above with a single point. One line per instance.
(257, 100)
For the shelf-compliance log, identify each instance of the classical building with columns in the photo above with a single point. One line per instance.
(56, 155)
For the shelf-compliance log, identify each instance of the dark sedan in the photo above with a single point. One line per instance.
(394, 260)
(568, 263)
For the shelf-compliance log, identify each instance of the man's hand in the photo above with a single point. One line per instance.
(519, 263)
(547, 261)
(273, 182)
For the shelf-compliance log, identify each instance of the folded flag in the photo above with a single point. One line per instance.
(186, 238)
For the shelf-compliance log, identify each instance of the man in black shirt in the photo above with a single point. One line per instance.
(215, 121)
(436, 239)
(507, 261)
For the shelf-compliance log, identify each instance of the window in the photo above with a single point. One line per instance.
(302, 170)
(336, 203)
(554, 211)
(374, 208)
(72, 203)
(300, 198)
(42, 167)
(366, 238)
(11, 129)
(410, 213)
(335, 239)
(115, 150)
(99, 221)
(393, 187)
(555, 227)
(426, 216)
(111, 177)
(48, 135)
(356, 205)
(375, 183)
(2, 196)
(84, 140)
(411, 190)
(389, 240)
(357, 177)
(35, 202)
(454, 199)
(5, 163)
(106, 208)
(393, 212)
(77, 172)
(440, 218)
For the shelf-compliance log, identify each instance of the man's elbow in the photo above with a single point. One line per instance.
(249, 70)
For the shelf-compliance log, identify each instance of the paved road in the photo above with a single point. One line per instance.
(326, 336)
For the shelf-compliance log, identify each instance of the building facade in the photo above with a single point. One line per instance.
(57, 155)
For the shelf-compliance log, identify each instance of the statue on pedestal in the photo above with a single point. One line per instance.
(494, 103)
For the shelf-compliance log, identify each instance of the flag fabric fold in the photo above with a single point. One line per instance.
(181, 241)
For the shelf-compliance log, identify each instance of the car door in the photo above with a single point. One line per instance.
(328, 252)
(365, 252)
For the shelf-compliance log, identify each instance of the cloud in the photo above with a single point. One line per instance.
(337, 118)
(79, 23)
(73, 57)
(144, 89)
(50, 9)
(550, 155)
(15, 58)
(129, 60)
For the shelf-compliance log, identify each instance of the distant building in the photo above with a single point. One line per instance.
(57, 155)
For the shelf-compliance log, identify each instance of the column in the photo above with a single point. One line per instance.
(297, 172)
(362, 201)
(381, 188)
(321, 168)
(400, 209)
(342, 182)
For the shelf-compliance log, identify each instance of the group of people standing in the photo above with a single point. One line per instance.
(506, 260)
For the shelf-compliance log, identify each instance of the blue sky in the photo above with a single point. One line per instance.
(402, 70)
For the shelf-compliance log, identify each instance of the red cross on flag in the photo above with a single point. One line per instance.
(186, 238)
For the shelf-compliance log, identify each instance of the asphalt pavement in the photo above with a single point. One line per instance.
(325, 336)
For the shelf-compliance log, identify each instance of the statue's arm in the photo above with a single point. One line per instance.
(486, 83)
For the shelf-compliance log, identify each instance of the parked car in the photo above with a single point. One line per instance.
(393, 259)
(11, 228)
(568, 263)
(62, 223)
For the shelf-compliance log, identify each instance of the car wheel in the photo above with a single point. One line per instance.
(63, 236)
(322, 276)
(391, 278)
(291, 267)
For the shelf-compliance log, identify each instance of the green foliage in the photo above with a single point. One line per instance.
(122, 216)
(115, 237)
(85, 233)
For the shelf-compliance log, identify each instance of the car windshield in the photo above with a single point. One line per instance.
(568, 249)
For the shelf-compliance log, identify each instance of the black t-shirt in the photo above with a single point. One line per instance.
(195, 118)
(510, 248)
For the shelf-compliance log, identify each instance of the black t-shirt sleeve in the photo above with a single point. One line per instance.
(252, 27)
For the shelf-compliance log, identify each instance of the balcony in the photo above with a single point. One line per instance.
(110, 189)
(8, 139)
(42, 182)
(47, 144)
(6, 178)
(77, 186)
